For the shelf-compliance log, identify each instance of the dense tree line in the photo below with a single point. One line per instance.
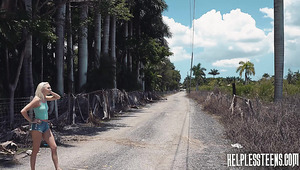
(84, 45)
(81, 46)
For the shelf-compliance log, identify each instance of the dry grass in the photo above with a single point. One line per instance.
(273, 128)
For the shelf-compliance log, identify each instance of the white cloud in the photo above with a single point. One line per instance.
(268, 11)
(232, 35)
(180, 40)
(291, 13)
(223, 70)
(229, 62)
(179, 53)
(228, 37)
(181, 34)
(292, 33)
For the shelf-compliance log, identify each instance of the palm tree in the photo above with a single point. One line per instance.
(278, 48)
(113, 51)
(27, 63)
(59, 45)
(105, 44)
(214, 72)
(83, 46)
(266, 76)
(70, 54)
(117, 11)
(147, 21)
(199, 74)
(248, 67)
(97, 35)
(126, 48)
(130, 32)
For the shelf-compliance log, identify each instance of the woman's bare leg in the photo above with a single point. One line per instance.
(49, 138)
(36, 142)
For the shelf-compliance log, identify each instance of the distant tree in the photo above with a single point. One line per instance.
(233, 79)
(293, 78)
(199, 74)
(214, 72)
(266, 76)
(186, 81)
(246, 67)
(289, 76)
(297, 76)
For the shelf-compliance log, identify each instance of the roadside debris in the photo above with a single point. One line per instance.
(237, 145)
(8, 150)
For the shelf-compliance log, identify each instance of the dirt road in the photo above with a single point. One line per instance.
(170, 134)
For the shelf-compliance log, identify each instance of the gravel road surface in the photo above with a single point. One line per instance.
(170, 134)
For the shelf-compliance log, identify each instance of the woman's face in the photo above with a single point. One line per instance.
(47, 89)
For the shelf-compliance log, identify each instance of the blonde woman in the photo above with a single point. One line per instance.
(39, 125)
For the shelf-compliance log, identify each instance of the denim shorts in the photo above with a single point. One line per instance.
(42, 127)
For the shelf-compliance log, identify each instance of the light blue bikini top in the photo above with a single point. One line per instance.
(41, 112)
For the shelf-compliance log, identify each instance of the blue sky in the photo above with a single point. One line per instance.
(229, 31)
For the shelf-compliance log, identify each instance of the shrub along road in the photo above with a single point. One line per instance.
(170, 134)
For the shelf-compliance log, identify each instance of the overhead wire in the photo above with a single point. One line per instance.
(192, 23)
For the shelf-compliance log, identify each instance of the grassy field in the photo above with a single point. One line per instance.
(268, 128)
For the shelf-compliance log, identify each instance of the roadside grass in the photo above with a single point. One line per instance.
(262, 89)
(273, 128)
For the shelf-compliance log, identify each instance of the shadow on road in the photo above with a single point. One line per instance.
(89, 130)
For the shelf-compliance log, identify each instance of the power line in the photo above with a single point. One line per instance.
(192, 37)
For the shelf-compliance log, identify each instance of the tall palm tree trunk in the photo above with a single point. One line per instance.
(138, 57)
(105, 57)
(83, 47)
(113, 52)
(97, 38)
(59, 46)
(27, 63)
(126, 50)
(106, 37)
(27, 70)
(278, 48)
(142, 76)
(129, 54)
(42, 59)
(70, 55)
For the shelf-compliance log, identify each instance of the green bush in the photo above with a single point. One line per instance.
(262, 89)
(265, 90)
(206, 88)
(291, 89)
(245, 90)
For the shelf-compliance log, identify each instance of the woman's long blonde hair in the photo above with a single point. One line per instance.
(38, 91)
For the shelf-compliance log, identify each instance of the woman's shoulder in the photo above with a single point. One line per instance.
(36, 101)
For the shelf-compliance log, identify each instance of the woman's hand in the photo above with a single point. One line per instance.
(54, 96)
(38, 121)
(34, 103)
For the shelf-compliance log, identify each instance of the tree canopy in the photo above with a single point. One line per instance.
(246, 67)
(214, 72)
(140, 47)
